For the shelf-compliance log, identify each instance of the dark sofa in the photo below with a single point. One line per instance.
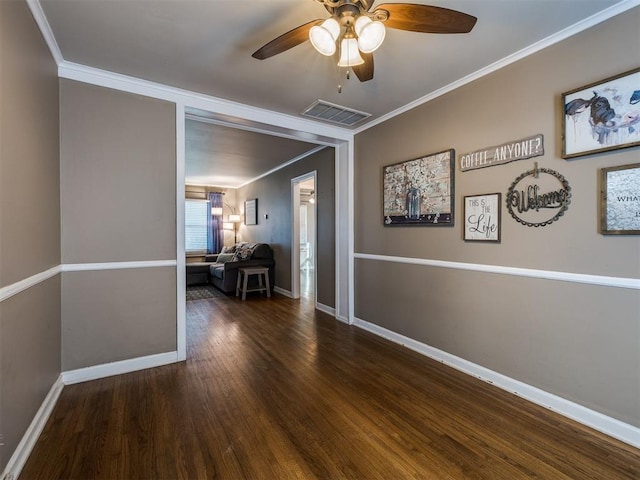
(223, 269)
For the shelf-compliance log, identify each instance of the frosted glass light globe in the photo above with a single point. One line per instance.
(370, 34)
(323, 37)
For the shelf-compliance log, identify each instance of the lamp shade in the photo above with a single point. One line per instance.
(370, 34)
(323, 37)
(217, 211)
(234, 217)
(349, 53)
(227, 226)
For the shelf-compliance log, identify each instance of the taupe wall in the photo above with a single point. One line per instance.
(118, 201)
(112, 315)
(581, 342)
(30, 205)
(29, 222)
(117, 176)
(274, 198)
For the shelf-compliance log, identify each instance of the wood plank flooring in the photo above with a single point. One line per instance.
(275, 390)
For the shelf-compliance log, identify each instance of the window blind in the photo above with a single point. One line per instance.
(195, 228)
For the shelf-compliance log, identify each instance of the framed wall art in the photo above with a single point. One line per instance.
(251, 212)
(620, 208)
(420, 191)
(482, 217)
(602, 116)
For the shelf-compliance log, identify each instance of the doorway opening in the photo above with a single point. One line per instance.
(340, 141)
(303, 261)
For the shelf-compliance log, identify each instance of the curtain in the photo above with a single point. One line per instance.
(215, 238)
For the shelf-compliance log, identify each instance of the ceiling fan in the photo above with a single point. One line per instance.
(354, 32)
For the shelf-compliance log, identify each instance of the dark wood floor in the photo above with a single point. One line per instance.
(274, 390)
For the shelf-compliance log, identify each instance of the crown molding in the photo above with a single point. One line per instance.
(285, 164)
(45, 28)
(307, 130)
(73, 71)
(574, 29)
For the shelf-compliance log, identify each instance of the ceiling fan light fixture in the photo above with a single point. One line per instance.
(323, 37)
(349, 53)
(370, 34)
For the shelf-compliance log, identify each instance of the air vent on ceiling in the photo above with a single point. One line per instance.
(330, 112)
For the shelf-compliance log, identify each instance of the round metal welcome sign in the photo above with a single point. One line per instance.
(538, 197)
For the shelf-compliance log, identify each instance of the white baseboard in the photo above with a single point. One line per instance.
(30, 437)
(118, 368)
(326, 309)
(610, 426)
(23, 450)
(282, 291)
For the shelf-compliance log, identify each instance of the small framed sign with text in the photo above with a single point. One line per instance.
(482, 217)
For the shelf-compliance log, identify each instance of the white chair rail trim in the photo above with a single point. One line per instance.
(620, 282)
(85, 267)
(15, 288)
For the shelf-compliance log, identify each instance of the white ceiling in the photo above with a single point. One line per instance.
(205, 46)
(229, 157)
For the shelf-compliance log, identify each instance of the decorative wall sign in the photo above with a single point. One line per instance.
(602, 116)
(251, 212)
(482, 217)
(507, 152)
(538, 197)
(419, 191)
(621, 200)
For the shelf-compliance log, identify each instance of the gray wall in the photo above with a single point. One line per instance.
(118, 200)
(581, 342)
(29, 222)
(274, 198)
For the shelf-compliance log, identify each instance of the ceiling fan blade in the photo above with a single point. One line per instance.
(286, 41)
(364, 72)
(426, 18)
